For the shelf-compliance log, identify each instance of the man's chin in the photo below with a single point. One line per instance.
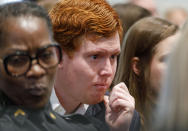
(96, 101)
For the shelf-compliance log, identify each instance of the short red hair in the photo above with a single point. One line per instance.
(74, 18)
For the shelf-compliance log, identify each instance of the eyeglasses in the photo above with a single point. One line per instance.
(19, 63)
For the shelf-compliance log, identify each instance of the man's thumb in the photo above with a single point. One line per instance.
(106, 101)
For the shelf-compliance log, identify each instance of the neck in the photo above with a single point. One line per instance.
(70, 105)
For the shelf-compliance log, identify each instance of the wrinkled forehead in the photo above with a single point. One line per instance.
(25, 32)
(29, 23)
(24, 22)
(98, 38)
(92, 41)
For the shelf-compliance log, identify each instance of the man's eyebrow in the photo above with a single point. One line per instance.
(116, 51)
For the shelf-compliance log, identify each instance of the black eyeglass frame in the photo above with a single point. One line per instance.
(5, 59)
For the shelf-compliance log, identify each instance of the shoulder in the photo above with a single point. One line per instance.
(6, 121)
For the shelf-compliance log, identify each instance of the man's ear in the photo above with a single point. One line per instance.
(60, 65)
(135, 65)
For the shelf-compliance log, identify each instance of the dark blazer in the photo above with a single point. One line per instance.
(16, 118)
(98, 111)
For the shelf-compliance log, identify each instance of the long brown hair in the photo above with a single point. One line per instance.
(140, 42)
(130, 13)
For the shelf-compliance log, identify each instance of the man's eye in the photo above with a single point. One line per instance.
(114, 56)
(94, 56)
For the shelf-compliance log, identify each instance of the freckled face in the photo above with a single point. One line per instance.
(27, 34)
(86, 77)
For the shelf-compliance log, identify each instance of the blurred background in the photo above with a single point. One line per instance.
(175, 11)
(161, 5)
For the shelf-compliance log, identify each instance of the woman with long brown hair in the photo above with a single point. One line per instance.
(142, 61)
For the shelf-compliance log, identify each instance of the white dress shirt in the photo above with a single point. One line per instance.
(56, 106)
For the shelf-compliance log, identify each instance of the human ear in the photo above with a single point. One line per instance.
(60, 65)
(135, 65)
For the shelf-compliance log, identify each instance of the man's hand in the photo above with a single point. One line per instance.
(120, 107)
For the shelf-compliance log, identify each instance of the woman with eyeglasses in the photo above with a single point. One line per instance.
(28, 61)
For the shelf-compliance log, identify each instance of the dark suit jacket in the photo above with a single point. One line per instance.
(98, 111)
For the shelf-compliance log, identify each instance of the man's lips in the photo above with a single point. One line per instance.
(101, 86)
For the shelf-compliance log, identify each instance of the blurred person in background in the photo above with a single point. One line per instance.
(172, 108)
(47, 4)
(148, 4)
(143, 60)
(176, 15)
(8, 1)
(130, 13)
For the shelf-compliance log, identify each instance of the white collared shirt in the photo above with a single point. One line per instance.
(56, 106)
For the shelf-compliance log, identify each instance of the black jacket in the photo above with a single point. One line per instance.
(98, 111)
(15, 118)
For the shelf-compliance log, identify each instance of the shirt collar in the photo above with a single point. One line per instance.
(56, 106)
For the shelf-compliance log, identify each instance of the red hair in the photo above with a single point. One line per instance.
(74, 18)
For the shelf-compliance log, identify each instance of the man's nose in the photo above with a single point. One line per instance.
(107, 68)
